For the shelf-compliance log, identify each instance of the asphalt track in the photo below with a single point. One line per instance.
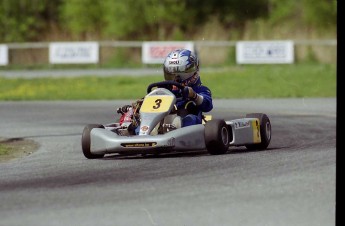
(291, 183)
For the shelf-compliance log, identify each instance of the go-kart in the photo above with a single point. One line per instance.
(159, 129)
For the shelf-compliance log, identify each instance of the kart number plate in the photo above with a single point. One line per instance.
(156, 104)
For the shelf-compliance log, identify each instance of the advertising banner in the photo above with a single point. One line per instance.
(74, 53)
(156, 52)
(265, 52)
(3, 55)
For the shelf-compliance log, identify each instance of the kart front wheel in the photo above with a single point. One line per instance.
(86, 142)
(265, 131)
(216, 137)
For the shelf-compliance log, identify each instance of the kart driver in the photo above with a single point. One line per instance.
(182, 66)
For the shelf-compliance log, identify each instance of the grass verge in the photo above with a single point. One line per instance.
(4, 150)
(240, 81)
(16, 148)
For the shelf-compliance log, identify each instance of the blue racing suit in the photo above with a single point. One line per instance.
(195, 109)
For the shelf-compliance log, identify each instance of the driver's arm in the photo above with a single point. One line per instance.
(202, 97)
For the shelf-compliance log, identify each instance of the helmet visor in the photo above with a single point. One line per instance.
(181, 71)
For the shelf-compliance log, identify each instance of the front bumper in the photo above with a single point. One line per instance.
(104, 141)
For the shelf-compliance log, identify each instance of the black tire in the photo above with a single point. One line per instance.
(265, 131)
(86, 141)
(216, 137)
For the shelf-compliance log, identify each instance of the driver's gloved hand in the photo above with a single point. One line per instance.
(189, 93)
(123, 109)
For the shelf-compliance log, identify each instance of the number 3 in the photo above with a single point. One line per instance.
(158, 103)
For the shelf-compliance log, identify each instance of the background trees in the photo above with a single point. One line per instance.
(31, 20)
(23, 20)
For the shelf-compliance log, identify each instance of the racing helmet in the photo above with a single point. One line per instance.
(182, 66)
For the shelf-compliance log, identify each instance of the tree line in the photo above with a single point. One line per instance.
(28, 20)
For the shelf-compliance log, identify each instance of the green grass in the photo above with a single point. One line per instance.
(239, 81)
(279, 81)
(4, 150)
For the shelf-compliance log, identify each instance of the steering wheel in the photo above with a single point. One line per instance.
(182, 90)
(165, 84)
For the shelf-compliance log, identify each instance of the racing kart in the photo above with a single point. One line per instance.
(160, 130)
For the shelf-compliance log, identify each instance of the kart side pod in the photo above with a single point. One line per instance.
(253, 131)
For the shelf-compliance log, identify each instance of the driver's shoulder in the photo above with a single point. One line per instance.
(201, 88)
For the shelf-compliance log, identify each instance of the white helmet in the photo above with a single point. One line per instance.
(182, 66)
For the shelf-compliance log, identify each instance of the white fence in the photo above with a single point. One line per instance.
(78, 53)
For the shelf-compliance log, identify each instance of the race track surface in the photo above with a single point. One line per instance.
(291, 183)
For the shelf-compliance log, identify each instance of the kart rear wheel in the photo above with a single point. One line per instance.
(265, 131)
(86, 141)
(216, 137)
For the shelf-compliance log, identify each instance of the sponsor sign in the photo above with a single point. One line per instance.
(139, 145)
(264, 52)
(3, 55)
(144, 128)
(171, 142)
(241, 124)
(156, 52)
(74, 53)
